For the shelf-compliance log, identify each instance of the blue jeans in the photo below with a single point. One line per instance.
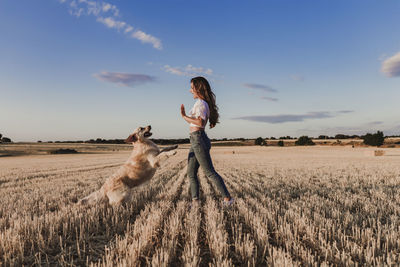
(199, 155)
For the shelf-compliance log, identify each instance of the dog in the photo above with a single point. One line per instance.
(138, 169)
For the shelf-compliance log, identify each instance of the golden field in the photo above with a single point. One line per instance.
(294, 206)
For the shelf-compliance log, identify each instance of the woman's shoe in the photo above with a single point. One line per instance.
(228, 202)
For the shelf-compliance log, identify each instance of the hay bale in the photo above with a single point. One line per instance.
(374, 153)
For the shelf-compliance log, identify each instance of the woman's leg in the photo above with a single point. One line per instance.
(193, 167)
(201, 148)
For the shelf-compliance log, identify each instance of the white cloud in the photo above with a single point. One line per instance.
(106, 14)
(391, 66)
(176, 71)
(128, 29)
(112, 23)
(112, 8)
(106, 7)
(189, 70)
(93, 8)
(147, 38)
(193, 69)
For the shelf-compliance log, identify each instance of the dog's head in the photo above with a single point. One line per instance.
(139, 134)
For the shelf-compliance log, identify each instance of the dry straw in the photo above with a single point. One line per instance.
(294, 207)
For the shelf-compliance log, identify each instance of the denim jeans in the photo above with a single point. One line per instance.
(199, 155)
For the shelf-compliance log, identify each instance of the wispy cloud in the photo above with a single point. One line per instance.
(269, 98)
(189, 70)
(391, 66)
(375, 123)
(360, 129)
(282, 118)
(262, 87)
(111, 22)
(108, 15)
(124, 79)
(345, 111)
(287, 117)
(146, 38)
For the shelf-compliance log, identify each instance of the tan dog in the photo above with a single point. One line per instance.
(139, 168)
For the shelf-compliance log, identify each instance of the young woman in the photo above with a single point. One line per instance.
(203, 110)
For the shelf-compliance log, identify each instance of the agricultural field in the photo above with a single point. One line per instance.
(294, 206)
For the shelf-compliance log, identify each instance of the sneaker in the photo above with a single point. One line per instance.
(229, 202)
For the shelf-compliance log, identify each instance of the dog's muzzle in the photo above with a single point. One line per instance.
(148, 133)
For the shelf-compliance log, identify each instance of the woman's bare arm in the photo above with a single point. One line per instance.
(199, 121)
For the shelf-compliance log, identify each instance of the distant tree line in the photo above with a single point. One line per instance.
(339, 136)
(376, 139)
(304, 141)
(157, 141)
(260, 141)
(122, 141)
(286, 137)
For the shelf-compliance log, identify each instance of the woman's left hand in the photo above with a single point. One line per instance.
(183, 113)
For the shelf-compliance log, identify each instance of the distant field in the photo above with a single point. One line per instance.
(295, 206)
(18, 149)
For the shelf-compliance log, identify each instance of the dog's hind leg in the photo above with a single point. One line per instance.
(93, 198)
(117, 197)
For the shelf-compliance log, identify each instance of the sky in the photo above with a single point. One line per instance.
(82, 69)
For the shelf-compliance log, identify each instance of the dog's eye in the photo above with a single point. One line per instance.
(141, 128)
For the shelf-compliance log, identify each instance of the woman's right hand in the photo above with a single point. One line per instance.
(183, 113)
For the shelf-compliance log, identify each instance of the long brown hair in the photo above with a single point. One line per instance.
(203, 89)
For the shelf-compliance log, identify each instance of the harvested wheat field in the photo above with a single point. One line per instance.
(293, 206)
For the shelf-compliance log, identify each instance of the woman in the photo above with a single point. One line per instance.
(199, 154)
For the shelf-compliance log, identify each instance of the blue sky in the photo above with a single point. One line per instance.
(73, 70)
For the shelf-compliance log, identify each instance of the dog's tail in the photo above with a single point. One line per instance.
(93, 198)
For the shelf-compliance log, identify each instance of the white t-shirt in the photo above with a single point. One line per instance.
(200, 109)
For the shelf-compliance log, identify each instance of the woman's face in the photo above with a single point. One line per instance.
(193, 91)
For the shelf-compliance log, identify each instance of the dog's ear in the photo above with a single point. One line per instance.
(131, 138)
